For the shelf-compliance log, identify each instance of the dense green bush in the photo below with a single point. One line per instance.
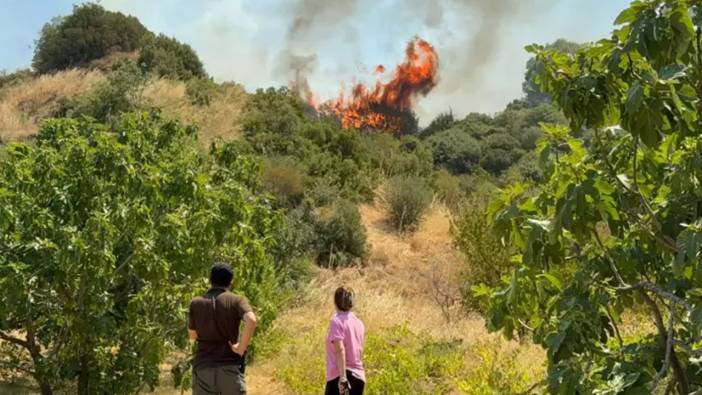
(89, 33)
(167, 57)
(442, 122)
(396, 156)
(121, 92)
(407, 199)
(455, 150)
(106, 233)
(491, 143)
(487, 259)
(341, 235)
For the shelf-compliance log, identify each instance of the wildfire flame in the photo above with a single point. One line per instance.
(383, 106)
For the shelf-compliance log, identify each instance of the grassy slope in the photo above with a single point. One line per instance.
(24, 106)
(394, 291)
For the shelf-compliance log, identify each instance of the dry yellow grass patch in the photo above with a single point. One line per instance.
(23, 107)
(220, 119)
(395, 288)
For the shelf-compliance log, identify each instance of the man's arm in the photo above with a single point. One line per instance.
(246, 334)
(192, 333)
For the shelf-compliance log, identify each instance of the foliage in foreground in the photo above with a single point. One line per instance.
(619, 225)
(104, 237)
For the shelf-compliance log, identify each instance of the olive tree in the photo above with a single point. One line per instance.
(615, 226)
(105, 234)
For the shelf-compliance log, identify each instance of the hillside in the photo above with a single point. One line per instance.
(28, 100)
(397, 291)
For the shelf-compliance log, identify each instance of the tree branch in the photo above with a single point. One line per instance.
(658, 319)
(668, 352)
(14, 340)
(660, 292)
(612, 265)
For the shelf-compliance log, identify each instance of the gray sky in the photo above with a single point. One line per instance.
(480, 42)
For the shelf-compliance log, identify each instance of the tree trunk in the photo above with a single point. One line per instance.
(678, 369)
(45, 388)
(83, 378)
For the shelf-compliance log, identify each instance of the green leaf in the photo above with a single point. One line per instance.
(553, 280)
(634, 98)
(625, 17)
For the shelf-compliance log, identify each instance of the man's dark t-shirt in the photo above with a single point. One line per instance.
(216, 317)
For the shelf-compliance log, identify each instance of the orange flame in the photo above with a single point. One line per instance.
(381, 107)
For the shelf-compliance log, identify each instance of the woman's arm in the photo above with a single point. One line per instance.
(340, 354)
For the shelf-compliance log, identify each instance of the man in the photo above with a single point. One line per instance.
(215, 317)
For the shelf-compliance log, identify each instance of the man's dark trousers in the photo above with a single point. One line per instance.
(220, 380)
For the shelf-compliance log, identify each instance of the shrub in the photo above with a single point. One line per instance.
(392, 156)
(89, 33)
(500, 151)
(529, 136)
(283, 177)
(442, 122)
(167, 57)
(455, 150)
(487, 259)
(408, 199)
(341, 235)
(200, 91)
(477, 125)
(323, 192)
(480, 184)
(121, 92)
(448, 189)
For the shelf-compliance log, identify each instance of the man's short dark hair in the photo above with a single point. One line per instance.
(221, 274)
(343, 299)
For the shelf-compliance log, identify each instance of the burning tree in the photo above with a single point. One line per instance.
(388, 105)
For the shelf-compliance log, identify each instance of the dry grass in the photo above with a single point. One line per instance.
(220, 119)
(394, 288)
(23, 107)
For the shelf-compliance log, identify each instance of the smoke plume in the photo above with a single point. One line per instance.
(466, 33)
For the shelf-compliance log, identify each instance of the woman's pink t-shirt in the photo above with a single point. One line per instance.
(347, 328)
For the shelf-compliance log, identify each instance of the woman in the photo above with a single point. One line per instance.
(345, 374)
